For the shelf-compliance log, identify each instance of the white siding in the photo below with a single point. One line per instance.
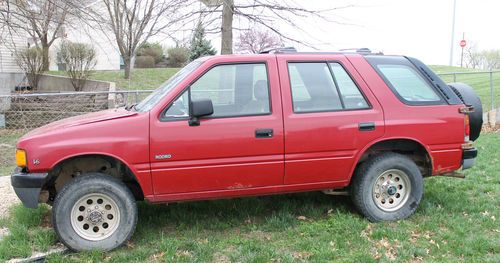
(108, 57)
(8, 45)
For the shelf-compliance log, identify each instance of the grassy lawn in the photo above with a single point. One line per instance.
(148, 79)
(456, 221)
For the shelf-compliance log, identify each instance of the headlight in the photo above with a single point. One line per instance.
(21, 160)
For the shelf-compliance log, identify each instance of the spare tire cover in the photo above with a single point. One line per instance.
(468, 96)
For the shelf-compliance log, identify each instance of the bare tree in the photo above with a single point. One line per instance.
(261, 13)
(133, 22)
(255, 41)
(490, 59)
(472, 57)
(42, 20)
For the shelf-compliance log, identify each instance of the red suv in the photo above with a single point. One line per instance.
(245, 125)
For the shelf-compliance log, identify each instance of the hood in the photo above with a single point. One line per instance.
(81, 120)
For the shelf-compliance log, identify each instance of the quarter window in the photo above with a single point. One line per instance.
(408, 84)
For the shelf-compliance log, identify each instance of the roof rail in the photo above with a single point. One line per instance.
(279, 50)
(363, 50)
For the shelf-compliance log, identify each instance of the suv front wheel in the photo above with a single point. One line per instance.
(387, 187)
(94, 212)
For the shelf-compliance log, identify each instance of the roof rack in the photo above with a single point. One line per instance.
(279, 50)
(363, 50)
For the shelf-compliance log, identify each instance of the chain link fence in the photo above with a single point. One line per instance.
(20, 113)
(485, 83)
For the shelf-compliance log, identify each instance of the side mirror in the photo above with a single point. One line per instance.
(200, 108)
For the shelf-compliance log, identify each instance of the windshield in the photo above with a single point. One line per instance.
(153, 98)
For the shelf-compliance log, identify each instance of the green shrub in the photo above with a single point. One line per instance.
(153, 50)
(79, 59)
(144, 62)
(177, 56)
(30, 60)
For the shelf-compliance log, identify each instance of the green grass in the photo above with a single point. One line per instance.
(456, 221)
(142, 79)
(480, 82)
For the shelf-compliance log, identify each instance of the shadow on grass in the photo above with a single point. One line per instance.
(267, 213)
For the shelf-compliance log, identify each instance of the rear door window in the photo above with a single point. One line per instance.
(313, 88)
(322, 86)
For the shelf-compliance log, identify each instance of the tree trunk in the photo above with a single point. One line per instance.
(126, 62)
(45, 56)
(227, 27)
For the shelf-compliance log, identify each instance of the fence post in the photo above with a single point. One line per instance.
(454, 77)
(491, 91)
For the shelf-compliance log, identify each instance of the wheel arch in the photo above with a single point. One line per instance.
(410, 147)
(72, 166)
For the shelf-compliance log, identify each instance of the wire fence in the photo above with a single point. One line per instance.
(485, 83)
(20, 113)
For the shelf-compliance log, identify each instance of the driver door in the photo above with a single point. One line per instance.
(240, 146)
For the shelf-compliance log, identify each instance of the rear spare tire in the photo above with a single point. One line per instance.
(468, 96)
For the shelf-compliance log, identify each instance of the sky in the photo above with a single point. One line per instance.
(418, 28)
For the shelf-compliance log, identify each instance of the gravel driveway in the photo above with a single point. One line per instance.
(7, 196)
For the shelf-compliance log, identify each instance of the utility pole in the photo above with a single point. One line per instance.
(453, 32)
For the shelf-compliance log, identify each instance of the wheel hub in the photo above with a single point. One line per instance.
(391, 190)
(95, 216)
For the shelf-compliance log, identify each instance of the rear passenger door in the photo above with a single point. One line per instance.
(330, 115)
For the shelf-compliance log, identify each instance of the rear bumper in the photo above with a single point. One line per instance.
(468, 158)
(28, 186)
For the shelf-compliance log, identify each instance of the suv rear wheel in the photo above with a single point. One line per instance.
(94, 211)
(387, 187)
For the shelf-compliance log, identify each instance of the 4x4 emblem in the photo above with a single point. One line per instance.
(163, 156)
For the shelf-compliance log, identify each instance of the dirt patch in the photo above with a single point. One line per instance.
(488, 129)
(7, 196)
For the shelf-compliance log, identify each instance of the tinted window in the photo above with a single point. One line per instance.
(313, 88)
(408, 84)
(235, 90)
(351, 95)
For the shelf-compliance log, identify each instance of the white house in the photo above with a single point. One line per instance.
(108, 56)
(9, 43)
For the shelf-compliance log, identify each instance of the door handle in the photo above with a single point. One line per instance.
(366, 126)
(264, 133)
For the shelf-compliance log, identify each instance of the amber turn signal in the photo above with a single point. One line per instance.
(21, 159)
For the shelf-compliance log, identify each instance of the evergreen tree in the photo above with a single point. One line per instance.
(199, 45)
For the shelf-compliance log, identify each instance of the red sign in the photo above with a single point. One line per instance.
(463, 43)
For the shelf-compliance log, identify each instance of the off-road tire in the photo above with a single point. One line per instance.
(90, 184)
(366, 177)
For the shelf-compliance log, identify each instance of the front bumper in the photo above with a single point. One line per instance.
(468, 158)
(27, 186)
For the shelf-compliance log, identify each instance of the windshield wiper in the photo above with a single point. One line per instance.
(131, 106)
